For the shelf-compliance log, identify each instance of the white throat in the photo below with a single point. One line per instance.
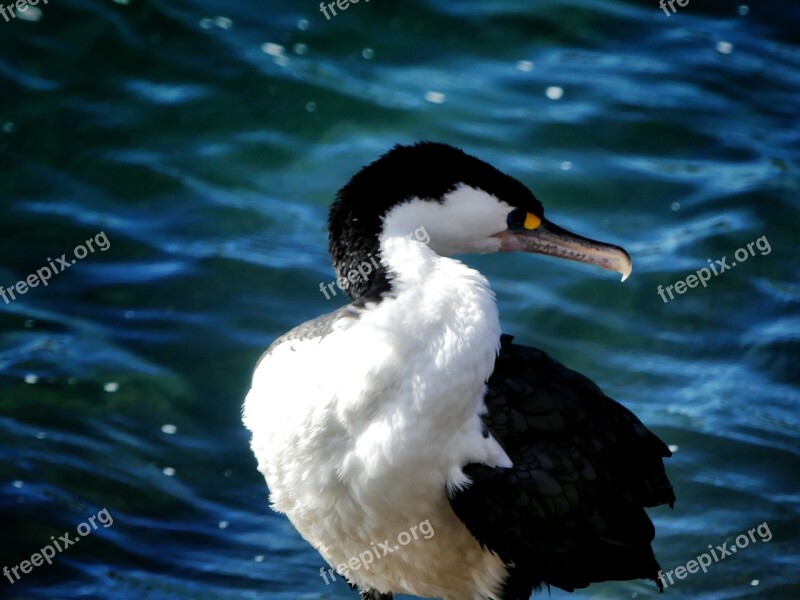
(445, 329)
(437, 299)
(394, 395)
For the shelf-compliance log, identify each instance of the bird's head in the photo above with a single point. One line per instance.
(461, 203)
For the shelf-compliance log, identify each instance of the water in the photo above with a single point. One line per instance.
(206, 139)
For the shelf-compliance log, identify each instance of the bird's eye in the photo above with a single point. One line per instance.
(516, 218)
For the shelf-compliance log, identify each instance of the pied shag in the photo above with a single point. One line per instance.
(408, 406)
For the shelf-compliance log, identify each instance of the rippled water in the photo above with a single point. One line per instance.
(205, 140)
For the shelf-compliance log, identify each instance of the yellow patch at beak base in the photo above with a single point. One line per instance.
(531, 221)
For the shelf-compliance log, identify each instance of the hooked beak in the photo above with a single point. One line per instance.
(551, 240)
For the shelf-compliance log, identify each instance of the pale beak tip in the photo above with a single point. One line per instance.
(627, 271)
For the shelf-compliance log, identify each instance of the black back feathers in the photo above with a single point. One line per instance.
(571, 510)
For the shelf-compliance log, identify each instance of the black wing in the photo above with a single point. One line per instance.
(571, 510)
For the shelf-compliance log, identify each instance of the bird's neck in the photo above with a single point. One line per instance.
(440, 300)
(425, 351)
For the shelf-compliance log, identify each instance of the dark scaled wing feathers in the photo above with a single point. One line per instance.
(313, 329)
(571, 510)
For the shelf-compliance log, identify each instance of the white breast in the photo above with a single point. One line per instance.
(360, 432)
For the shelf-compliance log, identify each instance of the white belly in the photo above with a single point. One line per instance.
(430, 557)
(359, 435)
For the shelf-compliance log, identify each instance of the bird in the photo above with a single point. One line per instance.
(407, 410)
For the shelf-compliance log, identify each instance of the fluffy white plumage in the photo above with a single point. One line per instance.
(360, 432)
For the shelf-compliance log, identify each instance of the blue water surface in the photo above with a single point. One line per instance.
(197, 145)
